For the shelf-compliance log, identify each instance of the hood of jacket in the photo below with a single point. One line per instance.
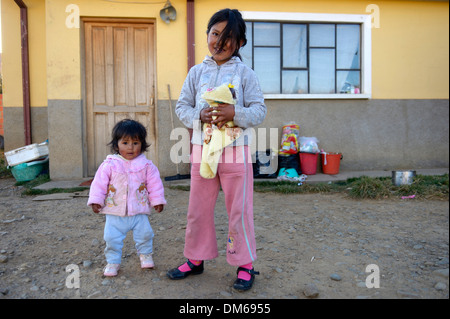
(133, 165)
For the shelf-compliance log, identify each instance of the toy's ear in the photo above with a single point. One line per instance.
(233, 93)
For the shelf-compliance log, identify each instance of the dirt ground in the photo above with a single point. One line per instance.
(309, 246)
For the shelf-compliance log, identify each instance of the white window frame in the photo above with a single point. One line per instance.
(366, 46)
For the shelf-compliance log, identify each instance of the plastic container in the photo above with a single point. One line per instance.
(289, 139)
(331, 162)
(25, 172)
(403, 177)
(289, 161)
(308, 163)
(26, 154)
(265, 164)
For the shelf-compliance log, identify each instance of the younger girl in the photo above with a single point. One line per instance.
(124, 187)
(225, 35)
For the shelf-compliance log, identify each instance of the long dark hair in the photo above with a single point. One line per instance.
(235, 29)
(130, 128)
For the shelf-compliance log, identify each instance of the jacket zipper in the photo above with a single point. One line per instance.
(217, 75)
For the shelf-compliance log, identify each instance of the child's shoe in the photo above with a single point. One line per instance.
(111, 270)
(243, 284)
(146, 261)
(191, 269)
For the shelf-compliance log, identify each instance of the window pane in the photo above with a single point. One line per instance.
(322, 71)
(348, 51)
(267, 33)
(321, 35)
(246, 51)
(295, 82)
(294, 46)
(348, 82)
(267, 67)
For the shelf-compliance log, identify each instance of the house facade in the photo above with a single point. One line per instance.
(368, 79)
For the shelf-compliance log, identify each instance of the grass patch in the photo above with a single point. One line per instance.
(373, 188)
(286, 187)
(4, 171)
(424, 187)
(364, 187)
(180, 187)
(42, 179)
(34, 192)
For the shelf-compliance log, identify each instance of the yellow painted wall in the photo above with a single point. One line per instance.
(10, 48)
(63, 44)
(11, 56)
(410, 49)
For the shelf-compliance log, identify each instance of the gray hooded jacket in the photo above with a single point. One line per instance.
(250, 109)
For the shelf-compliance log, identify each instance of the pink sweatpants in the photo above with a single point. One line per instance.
(235, 175)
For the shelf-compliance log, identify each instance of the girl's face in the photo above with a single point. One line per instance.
(220, 56)
(129, 148)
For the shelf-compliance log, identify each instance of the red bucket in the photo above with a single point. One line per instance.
(308, 163)
(331, 162)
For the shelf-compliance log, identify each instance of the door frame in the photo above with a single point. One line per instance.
(84, 137)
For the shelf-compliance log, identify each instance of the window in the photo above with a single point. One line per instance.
(309, 55)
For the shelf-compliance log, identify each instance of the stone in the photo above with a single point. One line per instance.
(311, 291)
(440, 286)
(441, 273)
(407, 294)
(335, 277)
(106, 282)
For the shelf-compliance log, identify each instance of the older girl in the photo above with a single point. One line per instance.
(225, 36)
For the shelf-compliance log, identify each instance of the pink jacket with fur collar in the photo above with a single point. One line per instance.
(126, 188)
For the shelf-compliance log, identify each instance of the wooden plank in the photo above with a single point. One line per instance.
(120, 66)
(141, 66)
(99, 67)
(56, 196)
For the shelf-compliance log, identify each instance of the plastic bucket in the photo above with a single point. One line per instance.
(308, 163)
(331, 162)
(28, 171)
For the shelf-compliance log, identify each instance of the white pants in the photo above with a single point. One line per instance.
(116, 229)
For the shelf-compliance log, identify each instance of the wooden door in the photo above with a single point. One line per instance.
(120, 83)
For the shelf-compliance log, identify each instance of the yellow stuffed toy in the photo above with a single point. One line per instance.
(217, 139)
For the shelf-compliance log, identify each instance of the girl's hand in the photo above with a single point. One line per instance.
(96, 208)
(225, 113)
(206, 115)
(159, 208)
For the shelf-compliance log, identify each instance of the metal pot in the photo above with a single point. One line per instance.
(403, 177)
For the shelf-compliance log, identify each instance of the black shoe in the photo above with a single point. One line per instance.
(243, 285)
(176, 274)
